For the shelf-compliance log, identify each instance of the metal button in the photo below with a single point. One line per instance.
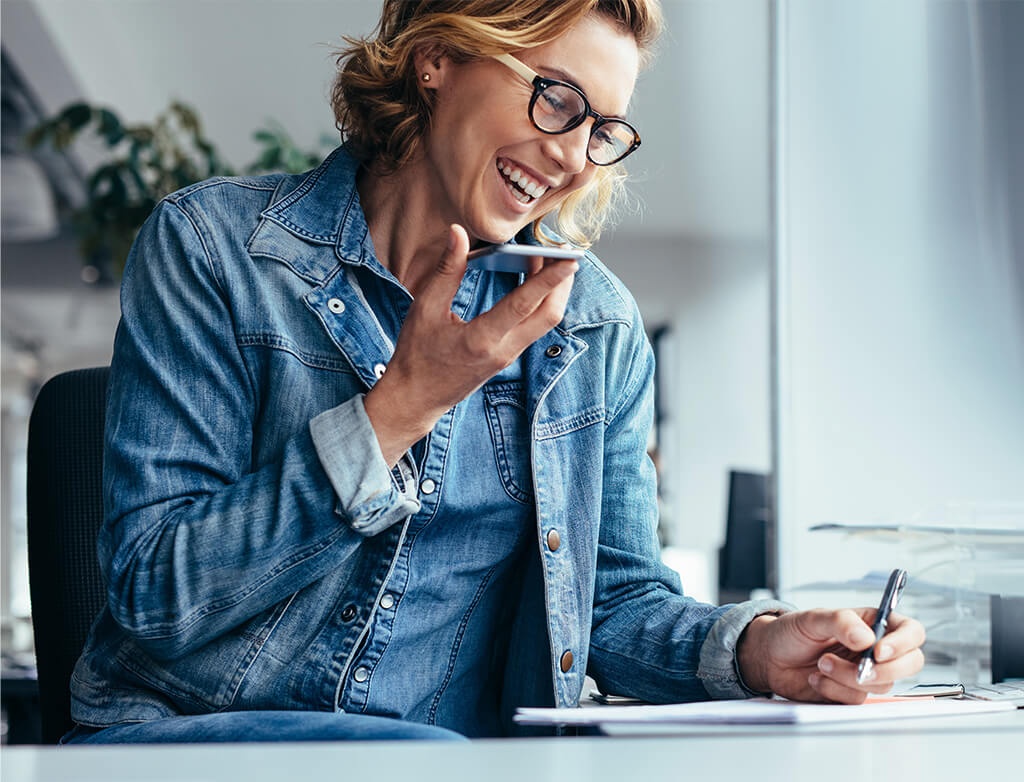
(379, 370)
(428, 486)
(361, 674)
(387, 600)
(554, 539)
(553, 351)
(349, 613)
(565, 663)
(337, 306)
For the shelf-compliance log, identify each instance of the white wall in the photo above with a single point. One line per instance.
(239, 62)
(714, 371)
(901, 292)
(697, 258)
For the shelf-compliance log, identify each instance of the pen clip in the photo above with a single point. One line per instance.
(898, 580)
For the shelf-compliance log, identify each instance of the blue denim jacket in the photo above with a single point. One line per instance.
(248, 504)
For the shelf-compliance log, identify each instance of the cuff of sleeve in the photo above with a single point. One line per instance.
(718, 670)
(370, 497)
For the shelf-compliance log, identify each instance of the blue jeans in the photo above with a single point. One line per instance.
(245, 726)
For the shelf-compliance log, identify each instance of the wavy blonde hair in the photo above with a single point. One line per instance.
(382, 112)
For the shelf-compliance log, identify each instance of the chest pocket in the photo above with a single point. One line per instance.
(505, 406)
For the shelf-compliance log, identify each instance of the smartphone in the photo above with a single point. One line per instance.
(516, 257)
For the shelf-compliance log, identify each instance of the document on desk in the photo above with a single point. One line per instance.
(756, 711)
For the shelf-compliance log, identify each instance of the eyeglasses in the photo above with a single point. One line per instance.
(558, 107)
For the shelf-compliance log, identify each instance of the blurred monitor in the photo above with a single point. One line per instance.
(1007, 613)
(746, 560)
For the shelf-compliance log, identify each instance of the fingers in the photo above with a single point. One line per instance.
(533, 308)
(844, 625)
(836, 677)
(524, 315)
(897, 655)
(904, 635)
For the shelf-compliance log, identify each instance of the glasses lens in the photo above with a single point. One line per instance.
(558, 107)
(611, 141)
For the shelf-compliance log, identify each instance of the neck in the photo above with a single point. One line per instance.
(408, 230)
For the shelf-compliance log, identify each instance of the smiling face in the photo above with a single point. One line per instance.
(489, 168)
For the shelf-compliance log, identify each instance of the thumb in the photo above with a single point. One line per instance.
(453, 260)
(444, 282)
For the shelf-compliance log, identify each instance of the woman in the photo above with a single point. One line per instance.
(355, 490)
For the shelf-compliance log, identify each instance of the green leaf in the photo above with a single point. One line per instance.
(37, 135)
(110, 126)
(264, 136)
(76, 116)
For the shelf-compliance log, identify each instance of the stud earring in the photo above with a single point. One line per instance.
(426, 77)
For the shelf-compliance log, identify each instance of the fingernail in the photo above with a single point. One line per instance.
(451, 238)
(826, 665)
(884, 652)
(814, 680)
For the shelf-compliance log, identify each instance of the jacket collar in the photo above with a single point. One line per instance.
(315, 221)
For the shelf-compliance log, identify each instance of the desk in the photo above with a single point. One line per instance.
(982, 747)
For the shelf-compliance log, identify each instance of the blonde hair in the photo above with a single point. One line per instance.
(382, 112)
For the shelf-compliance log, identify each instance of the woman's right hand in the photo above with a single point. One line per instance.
(441, 359)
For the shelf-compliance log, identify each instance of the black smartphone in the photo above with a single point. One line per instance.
(516, 257)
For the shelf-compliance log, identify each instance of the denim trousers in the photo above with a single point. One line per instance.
(250, 726)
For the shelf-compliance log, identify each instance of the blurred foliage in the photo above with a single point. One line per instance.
(145, 163)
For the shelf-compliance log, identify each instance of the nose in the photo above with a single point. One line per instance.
(569, 150)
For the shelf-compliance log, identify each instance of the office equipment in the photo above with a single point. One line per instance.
(65, 511)
(891, 595)
(967, 590)
(746, 560)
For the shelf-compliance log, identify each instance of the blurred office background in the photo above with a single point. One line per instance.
(827, 245)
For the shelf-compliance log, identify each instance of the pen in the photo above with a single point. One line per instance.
(897, 580)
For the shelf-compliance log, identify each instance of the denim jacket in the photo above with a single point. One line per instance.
(248, 506)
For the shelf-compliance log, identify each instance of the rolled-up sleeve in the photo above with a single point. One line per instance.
(371, 497)
(718, 668)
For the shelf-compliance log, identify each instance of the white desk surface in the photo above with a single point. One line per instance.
(981, 748)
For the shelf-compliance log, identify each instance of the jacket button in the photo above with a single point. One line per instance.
(554, 540)
(566, 662)
(387, 600)
(379, 370)
(337, 306)
(428, 486)
(349, 613)
(553, 351)
(361, 674)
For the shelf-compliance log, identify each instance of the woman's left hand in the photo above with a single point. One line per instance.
(813, 655)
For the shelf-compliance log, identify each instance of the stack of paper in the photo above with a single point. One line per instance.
(757, 711)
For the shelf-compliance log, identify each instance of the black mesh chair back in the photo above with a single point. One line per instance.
(65, 511)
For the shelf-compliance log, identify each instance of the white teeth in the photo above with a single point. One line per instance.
(530, 188)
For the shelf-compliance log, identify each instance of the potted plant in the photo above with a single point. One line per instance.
(145, 163)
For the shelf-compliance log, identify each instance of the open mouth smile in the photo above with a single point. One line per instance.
(524, 188)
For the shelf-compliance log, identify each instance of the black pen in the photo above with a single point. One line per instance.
(893, 589)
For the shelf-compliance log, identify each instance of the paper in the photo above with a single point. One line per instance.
(756, 711)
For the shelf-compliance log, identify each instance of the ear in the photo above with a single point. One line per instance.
(431, 65)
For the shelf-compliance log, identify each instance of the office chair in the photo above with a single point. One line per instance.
(65, 511)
